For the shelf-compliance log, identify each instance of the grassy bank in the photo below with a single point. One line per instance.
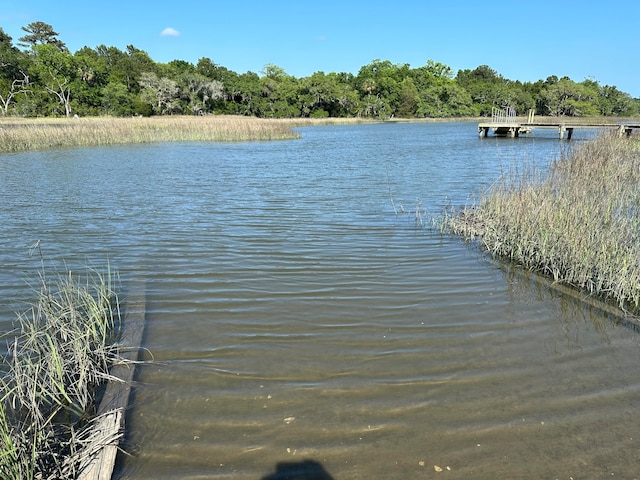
(17, 135)
(579, 223)
(61, 351)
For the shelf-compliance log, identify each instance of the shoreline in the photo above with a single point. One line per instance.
(38, 134)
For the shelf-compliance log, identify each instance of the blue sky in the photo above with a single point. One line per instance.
(521, 40)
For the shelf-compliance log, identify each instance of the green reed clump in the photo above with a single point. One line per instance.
(61, 352)
(579, 223)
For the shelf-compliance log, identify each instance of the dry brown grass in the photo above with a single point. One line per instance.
(18, 135)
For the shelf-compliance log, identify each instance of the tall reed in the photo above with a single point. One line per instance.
(579, 223)
(38, 134)
(60, 354)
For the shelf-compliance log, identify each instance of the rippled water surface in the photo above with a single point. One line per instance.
(294, 316)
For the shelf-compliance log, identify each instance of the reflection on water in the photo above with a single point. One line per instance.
(298, 325)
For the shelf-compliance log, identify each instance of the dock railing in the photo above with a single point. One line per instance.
(503, 115)
(531, 115)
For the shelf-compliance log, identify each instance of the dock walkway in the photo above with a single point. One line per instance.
(515, 129)
(504, 123)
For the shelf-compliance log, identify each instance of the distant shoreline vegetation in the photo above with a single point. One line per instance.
(40, 77)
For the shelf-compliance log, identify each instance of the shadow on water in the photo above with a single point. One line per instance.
(304, 470)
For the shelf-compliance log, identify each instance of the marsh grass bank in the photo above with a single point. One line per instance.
(578, 223)
(28, 134)
(17, 135)
(60, 353)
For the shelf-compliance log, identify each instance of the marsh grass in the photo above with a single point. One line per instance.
(18, 135)
(579, 223)
(60, 353)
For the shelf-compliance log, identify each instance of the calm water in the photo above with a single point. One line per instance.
(293, 316)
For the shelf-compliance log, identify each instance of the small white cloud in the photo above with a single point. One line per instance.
(170, 32)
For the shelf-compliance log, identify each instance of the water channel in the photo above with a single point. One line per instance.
(301, 314)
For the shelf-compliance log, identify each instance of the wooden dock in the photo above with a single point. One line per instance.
(504, 123)
(514, 130)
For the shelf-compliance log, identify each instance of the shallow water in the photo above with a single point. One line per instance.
(293, 315)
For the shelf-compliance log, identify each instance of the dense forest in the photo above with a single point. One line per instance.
(40, 77)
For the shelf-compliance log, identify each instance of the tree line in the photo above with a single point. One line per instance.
(40, 77)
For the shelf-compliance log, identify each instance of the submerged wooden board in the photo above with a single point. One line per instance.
(109, 425)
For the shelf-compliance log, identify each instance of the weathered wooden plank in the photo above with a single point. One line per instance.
(102, 449)
(117, 393)
(109, 425)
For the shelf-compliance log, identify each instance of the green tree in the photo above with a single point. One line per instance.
(230, 81)
(138, 61)
(159, 92)
(118, 66)
(613, 102)
(89, 82)
(40, 33)
(125, 68)
(119, 101)
(373, 106)
(409, 99)
(445, 98)
(279, 92)
(439, 94)
(566, 97)
(46, 79)
(206, 67)
(243, 94)
(486, 87)
(55, 70)
(175, 69)
(323, 95)
(439, 70)
(489, 89)
(381, 79)
(14, 80)
(199, 92)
